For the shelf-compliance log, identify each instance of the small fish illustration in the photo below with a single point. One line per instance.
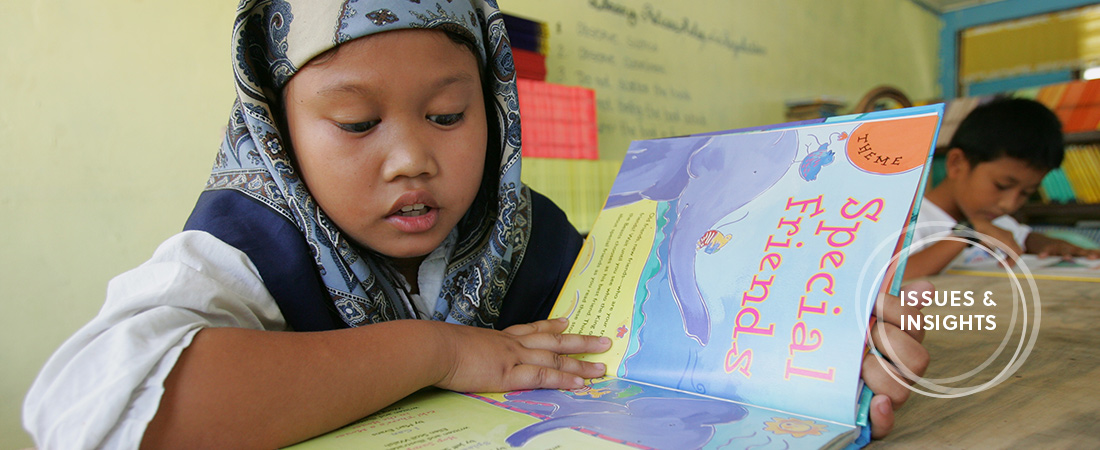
(712, 241)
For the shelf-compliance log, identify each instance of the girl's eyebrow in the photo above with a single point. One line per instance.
(344, 88)
(365, 89)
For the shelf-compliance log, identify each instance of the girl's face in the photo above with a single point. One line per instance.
(390, 135)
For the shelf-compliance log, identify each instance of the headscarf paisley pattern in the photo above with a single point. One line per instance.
(271, 40)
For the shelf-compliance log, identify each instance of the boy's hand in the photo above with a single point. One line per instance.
(904, 350)
(998, 238)
(525, 356)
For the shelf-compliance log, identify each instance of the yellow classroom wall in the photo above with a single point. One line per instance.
(111, 112)
(671, 68)
(668, 68)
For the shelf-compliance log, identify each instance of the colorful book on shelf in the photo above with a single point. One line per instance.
(1087, 115)
(1030, 93)
(813, 108)
(529, 65)
(527, 34)
(1088, 157)
(1051, 95)
(1071, 97)
(734, 273)
(1071, 167)
(1093, 154)
(1055, 188)
(1082, 168)
(558, 121)
(529, 41)
(1079, 107)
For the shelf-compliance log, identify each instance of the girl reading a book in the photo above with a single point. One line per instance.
(363, 234)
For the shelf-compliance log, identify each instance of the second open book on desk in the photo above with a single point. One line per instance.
(979, 261)
(734, 273)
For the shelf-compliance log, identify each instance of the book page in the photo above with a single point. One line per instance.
(767, 249)
(619, 246)
(609, 413)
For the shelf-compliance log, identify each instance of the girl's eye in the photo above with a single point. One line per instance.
(446, 119)
(360, 127)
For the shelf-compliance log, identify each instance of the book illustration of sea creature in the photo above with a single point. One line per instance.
(696, 185)
(794, 426)
(649, 422)
(712, 241)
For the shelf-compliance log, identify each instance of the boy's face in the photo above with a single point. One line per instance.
(994, 188)
(390, 137)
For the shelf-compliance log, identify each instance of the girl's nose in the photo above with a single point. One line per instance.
(410, 154)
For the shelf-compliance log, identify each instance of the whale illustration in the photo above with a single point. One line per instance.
(707, 182)
(653, 422)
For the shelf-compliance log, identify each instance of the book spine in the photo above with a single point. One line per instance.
(1067, 109)
(1092, 170)
(1082, 168)
(1065, 190)
(1070, 167)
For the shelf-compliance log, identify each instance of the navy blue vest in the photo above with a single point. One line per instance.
(279, 252)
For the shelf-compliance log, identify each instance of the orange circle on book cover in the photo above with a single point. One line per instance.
(892, 146)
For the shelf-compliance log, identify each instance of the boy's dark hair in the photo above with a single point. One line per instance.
(1015, 127)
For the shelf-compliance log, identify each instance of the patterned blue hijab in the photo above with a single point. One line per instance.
(272, 39)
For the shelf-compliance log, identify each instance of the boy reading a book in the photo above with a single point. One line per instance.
(997, 158)
(369, 178)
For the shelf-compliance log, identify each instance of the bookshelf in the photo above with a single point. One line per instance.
(1086, 207)
(1065, 214)
(1077, 104)
(1083, 137)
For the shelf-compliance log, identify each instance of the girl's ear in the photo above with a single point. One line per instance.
(957, 164)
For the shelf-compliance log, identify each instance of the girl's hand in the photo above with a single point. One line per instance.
(525, 356)
(904, 350)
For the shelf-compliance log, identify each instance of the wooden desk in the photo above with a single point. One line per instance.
(1052, 401)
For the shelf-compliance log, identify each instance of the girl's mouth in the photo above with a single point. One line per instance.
(413, 210)
(418, 212)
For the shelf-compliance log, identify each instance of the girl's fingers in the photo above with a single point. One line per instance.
(532, 376)
(565, 343)
(896, 314)
(903, 349)
(876, 373)
(543, 326)
(894, 311)
(566, 364)
(547, 335)
(547, 370)
(882, 416)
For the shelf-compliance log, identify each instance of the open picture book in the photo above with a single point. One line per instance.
(735, 273)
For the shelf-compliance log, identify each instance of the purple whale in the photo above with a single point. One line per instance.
(708, 177)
